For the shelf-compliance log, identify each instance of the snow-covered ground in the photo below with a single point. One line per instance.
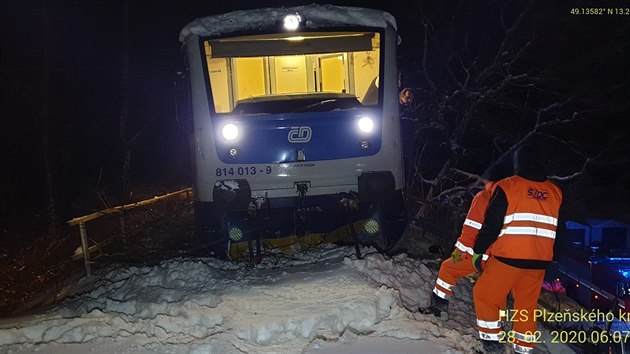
(321, 301)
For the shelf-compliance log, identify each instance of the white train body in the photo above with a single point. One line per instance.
(293, 108)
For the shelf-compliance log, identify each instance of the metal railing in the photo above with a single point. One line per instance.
(121, 212)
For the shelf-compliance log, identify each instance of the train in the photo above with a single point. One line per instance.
(295, 127)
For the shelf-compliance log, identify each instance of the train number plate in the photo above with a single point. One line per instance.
(243, 171)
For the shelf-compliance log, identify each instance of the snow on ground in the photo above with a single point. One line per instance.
(321, 301)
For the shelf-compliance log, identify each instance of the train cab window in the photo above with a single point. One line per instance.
(294, 72)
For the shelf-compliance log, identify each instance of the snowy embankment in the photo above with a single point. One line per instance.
(322, 301)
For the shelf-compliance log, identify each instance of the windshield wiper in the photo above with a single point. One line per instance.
(316, 104)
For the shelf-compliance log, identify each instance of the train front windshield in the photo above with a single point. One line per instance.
(283, 73)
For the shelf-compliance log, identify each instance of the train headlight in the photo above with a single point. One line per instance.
(366, 124)
(233, 152)
(230, 131)
(365, 145)
(292, 22)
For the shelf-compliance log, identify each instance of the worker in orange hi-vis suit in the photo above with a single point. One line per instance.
(459, 264)
(520, 224)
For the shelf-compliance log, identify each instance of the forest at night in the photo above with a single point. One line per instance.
(89, 95)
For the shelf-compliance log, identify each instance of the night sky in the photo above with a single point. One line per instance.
(63, 90)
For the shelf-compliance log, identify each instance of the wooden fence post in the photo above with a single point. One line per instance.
(86, 249)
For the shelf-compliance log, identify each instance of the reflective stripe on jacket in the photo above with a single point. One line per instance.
(474, 220)
(531, 219)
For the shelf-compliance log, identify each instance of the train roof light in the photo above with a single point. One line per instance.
(292, 22)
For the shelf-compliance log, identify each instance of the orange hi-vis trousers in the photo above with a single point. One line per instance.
(450, 273)
(490, 294)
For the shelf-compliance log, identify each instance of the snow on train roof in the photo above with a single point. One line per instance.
(315, 16)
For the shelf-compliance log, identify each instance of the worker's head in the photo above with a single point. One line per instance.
(497, 171)
(405, 97)
(528, 158)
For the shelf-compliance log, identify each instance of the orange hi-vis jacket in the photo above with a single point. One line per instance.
(450, 272)
(474, 221)
(531, 219)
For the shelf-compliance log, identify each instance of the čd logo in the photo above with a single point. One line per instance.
(300, 134)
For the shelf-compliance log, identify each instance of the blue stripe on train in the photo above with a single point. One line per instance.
(267, 138)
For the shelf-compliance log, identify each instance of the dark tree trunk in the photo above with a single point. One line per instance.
(47, 150)
(126, 143)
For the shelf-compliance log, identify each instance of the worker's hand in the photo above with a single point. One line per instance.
(476, 261)
(456, 256)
